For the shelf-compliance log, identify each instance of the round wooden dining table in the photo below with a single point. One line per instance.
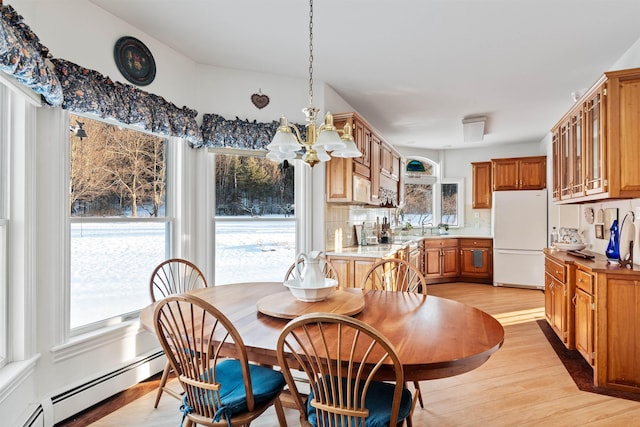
(434, 337)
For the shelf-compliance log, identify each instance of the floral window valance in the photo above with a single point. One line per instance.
(23, 56)
(88, 91)
(218, 132)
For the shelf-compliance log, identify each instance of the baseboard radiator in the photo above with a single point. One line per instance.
(85, 395)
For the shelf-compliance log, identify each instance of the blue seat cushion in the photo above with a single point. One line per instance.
(266, 383)
(378, 401)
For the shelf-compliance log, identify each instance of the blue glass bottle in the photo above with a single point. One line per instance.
(613, 248)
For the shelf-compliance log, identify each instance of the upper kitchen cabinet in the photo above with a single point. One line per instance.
(599, 142)
(519, 173)
(375, 178)
(481, 175)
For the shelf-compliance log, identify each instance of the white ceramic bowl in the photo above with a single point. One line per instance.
(566, 246)
(311, 294)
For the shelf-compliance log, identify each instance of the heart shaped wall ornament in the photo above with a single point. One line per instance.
(260, 100)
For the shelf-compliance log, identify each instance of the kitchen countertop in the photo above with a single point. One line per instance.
(390, 249)
(598, 264)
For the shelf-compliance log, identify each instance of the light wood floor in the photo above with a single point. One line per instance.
(523, 384)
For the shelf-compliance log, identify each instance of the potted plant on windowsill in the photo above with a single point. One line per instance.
(443, 228)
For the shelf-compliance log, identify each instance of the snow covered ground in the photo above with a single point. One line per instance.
(111, 263)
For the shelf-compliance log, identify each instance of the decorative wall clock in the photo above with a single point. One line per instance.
(134, 61)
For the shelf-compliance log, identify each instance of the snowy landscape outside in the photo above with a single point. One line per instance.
(113, 262)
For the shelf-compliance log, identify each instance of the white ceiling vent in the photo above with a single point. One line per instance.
(473, 128)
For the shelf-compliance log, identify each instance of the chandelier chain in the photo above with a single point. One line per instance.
(310, 52)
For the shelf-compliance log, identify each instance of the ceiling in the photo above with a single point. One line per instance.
(413, 68)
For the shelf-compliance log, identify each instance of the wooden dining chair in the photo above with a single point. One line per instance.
(396, 275)
(295, 271)
(341, 356)
(171, 277)
(222, 389)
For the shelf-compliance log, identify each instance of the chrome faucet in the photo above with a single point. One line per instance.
(425, 222)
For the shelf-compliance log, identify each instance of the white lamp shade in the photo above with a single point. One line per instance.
(279, 156)
(321, 153)
(284, 142)
(330, 140)
(349, 150)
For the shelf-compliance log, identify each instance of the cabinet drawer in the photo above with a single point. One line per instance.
(556, 269)
(475, 243)
(440, 243)
(584, 281)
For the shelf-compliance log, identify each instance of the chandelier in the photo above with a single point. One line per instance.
(322, 139)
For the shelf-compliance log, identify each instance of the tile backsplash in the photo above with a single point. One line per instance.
(340, 219)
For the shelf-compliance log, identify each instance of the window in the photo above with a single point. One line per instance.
(420, 201)
(430, 201)
(255, 219)
(118, 221)
(452, 202)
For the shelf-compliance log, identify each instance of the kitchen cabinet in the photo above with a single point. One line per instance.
(594, 142)
(379, 168)
(441, 259)
(602, 162)
(617, 326)
(481, 177)
(584, 303)
(571, 159)
(362, 139)
(519, 173)
(558, 292)
(556, 152)
(339, 180)
(351, 270)
(476, 260)
(374, 172)
(607, 315)
(412, 253)
(389, 162)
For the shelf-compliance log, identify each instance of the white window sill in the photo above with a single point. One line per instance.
(92, 340)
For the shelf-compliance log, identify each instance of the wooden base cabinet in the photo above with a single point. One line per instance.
(618, 331)
(558, 292)
(584, 305)
(441, 260)
(351, 270)
(605, 309)
(476, 260)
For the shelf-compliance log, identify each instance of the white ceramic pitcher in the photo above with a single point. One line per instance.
(311, 275)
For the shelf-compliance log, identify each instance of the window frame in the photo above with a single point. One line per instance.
(18, 107)
(437, 182)
(169, 220)
(460, 200)
(299, 176)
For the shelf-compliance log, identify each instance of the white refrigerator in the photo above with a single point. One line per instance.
(519, 228)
